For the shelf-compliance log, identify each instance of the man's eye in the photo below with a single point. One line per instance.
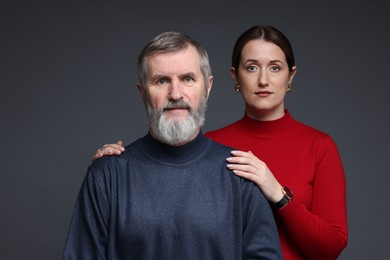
(161, 81)
(188, 79)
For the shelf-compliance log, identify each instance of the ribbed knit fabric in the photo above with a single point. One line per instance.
(161, 202)
(314, 224)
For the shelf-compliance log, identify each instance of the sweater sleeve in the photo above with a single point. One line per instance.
(260, 236)
(321, 232)
(88, 235)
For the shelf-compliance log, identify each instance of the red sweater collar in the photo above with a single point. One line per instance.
(278, 127)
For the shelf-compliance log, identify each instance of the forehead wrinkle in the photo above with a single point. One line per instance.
(171, 65)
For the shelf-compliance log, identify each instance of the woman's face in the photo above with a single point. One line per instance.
(264, 77)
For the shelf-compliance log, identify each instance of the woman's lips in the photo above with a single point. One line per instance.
(263, 93)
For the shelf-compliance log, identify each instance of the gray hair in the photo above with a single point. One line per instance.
(171, 42)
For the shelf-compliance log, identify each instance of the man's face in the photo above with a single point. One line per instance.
(175, 95)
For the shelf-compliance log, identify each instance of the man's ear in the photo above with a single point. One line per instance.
(211, 79)
(141, 90)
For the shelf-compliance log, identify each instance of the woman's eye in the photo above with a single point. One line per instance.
(275, 68)
(251, 68)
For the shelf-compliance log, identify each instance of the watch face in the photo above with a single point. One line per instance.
(288, 192)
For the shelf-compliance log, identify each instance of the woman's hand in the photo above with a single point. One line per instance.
(248, 166)
(109, 149)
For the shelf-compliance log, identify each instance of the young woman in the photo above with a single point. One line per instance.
(297, 167)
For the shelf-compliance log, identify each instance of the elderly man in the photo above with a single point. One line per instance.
(170, 195)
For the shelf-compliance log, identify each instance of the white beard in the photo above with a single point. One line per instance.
(178, 131)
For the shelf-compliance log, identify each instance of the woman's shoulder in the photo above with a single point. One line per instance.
(226, 130)
(311, 129)
(315, 136)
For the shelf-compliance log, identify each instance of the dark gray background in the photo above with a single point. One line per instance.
(68, 73)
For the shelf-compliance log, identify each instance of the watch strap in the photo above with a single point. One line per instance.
(287, 197)
(281, 203)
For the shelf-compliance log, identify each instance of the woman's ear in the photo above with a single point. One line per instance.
(292, 74)
(233, 75)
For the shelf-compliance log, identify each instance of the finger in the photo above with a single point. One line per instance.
(114, 147)
(244, 160)
(105, 151)
(110, 151)
(240, 153)
(246, 164)
(248, 154)
(243, 168)
(97, 155)
(246, 175)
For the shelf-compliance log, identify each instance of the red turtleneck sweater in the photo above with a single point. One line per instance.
(314, 224)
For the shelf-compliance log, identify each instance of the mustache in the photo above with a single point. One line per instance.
(180, 104)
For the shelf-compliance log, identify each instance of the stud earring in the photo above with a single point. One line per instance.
(237, 87)
(289, 88)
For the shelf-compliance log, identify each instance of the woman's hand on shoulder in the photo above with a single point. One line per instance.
(109, 149)
(248, 166)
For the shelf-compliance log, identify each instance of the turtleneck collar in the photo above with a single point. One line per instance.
(278, 127)
(182, 154)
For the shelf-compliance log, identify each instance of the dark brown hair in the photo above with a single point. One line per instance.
(268, 34)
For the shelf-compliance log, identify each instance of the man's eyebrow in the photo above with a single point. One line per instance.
(162, 76)
(158, 76)
(188, 74)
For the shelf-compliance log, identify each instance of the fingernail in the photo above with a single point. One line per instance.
(234, 152)
(229, 159)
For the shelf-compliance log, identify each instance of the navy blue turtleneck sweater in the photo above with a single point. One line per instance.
(162, 202)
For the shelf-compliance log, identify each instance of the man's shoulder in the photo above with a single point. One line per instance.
(110, 161)
(219, 147)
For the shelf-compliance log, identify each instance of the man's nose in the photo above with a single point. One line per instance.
(175, 90)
